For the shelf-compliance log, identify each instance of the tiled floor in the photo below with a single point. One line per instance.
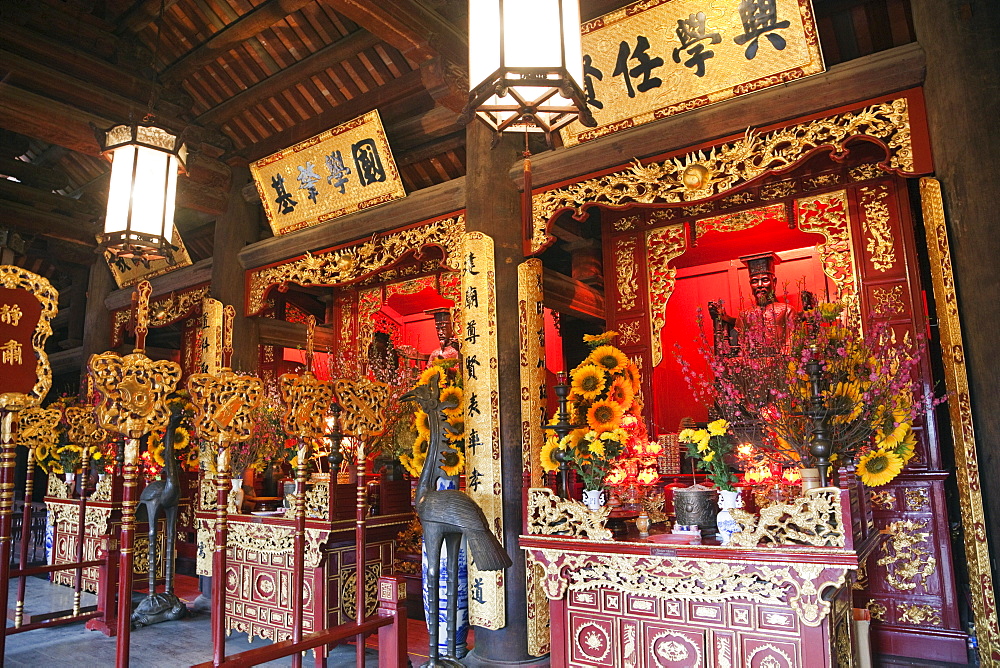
(167, 645)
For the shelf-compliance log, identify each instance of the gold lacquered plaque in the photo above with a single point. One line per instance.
(346, 169)
(657, 58)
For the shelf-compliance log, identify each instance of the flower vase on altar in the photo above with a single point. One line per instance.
(236, 496)
(593, 499)
(724, 522)
(462, 609)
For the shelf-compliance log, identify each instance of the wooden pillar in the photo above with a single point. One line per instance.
(962, 41)
(493, 206)
(238, 226)
(97, 320)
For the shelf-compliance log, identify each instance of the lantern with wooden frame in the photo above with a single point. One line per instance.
(144, 167)
(526, 65)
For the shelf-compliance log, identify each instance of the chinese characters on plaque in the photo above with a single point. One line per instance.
(346, 169)
(482, 417)
(654, 59)
(27, 305)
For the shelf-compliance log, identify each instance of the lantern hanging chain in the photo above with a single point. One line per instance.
(150, 114)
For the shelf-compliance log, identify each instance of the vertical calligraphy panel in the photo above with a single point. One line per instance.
(482, 417)
(211, 335)
(532, 360)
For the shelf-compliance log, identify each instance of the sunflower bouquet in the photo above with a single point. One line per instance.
(453, 456)
(710, 447)
(870, 393)
(605, 406)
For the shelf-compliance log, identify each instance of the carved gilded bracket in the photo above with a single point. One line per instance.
(551, 515)
(353, 262)
(815, 519)
(163, 310)
(707, 173)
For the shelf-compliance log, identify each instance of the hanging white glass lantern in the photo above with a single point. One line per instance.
(144, 166)
(526, 64)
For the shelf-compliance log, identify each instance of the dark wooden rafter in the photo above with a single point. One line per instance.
(33, 175)
(140, 15)
(423, 36)
(249, 25)
(30, 219)
(275, 85)
(419, 33)
(397, 91)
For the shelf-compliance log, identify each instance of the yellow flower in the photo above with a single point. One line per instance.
(96, 455)
(57, 468)
(710, 456)
(42, 453)
(596, 447)
(428, 373)
(845, 400)
(879, 467)
(686, 436)
(718, 427)
(572, 439)
(891, 440)
(459, 425)
(621, 391)
(420, 445)
(157, 455)
(633, 376)
(181, 438)
(422, 423)
(452, 393)
(703, 443)
(907, 447)
(546, 456)
(588, 381)
(604, 416)
(830, 310)
(609, 358)
(603, 338)
(452, 462)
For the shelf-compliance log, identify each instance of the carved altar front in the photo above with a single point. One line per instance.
(102, 526)
(259, 567)
(638, 604)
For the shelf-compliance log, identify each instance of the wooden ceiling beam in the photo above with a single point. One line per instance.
(30, 220)
(52, 121)
(431, 149)
(75, 62)
(412, 131)
(395, 91)
(206, 189)
(140, 15)
(33, 175)
(249, 25)
(570, 296)
(418, 32)
(288, 77)
(25, 194)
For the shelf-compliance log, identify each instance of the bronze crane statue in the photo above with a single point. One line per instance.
(163, 494)
(447, 516)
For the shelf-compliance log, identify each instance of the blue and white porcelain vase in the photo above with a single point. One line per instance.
(462, 609)
(724, 521)
(593, 499)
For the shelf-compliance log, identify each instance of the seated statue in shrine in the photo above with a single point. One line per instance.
(763, 330)
(446, 341)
